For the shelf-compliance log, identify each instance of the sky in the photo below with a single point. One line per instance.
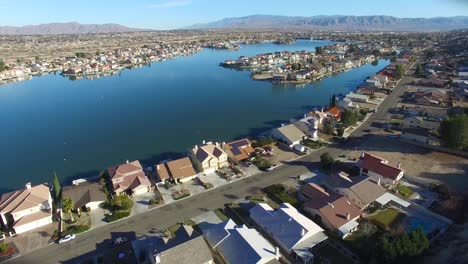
(172, 14)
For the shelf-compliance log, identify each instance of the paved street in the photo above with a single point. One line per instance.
(168, 215)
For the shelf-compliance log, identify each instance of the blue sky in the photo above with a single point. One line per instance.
(169, 14)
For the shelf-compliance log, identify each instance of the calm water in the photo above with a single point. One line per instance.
(79, 127)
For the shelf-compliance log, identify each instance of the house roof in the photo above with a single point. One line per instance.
(177, 169)
(208, 151)
(289, 226)
(132, 182)
(84, 193)
(291, 132)
(24, 199)
(241, 149)
(380, 166)
(125, 169)
(335, 111)
(231, 239)
(31, 218)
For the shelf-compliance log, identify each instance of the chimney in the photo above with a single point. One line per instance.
(347, 216)
(378, 182)
(217, 144)
(196, 147)
(399, 165)
(362, 155)
(277, 252)
(157, 167)
(305, 115)
(349, 203)
(127, 161)
(28, 185)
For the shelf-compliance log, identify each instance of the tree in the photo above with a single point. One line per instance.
(328, 128)
(397, 249)
(57, 188)
(419, 70)
(349, 117)
(68, 205)
(326, 160)
(332, 101)
(2, 65)
(376, 53)
(340, 131)
(80, 54)
(375, 63)
(398, 72)
(319, 50)
(454, 132)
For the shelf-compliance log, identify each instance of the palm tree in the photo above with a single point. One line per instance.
(68, 205)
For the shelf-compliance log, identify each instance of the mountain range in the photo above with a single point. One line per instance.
(65, 28)
(344, 23)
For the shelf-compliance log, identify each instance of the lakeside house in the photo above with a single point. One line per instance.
(85, 195)
(332, 210)
(129, 178)
(240, 244)
(210, 157)
(177, 171)
(26, 209)
(379, 169)
(289, 134)
(293, 232)
(309, 126)
(240, 149)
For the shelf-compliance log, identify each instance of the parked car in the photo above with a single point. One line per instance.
(119, 240)
(66, 238)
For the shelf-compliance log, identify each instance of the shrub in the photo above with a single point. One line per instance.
(263, 141)
(75, 229)
(3, 247)
(167, 185)
(177, 195)
(340, 131)
(154, 201)
(261, 163)
(326, 160)
(117, 215)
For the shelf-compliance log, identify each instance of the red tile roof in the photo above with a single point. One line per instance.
(379, 166)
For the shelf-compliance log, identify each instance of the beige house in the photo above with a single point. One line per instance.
(210, 157)
(180, 170)
(26, 209)
(129, 177)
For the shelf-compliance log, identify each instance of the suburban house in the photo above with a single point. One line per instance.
(26, 209)
(332, 210)
(240, 149)
(240, 244)
(418, 134)
(358, 97)
(85, 195)
(309, 126)
(289, 134)
(211, 157)
(130, 178)
(319, 115)
(379, 169)
(293, 232)
(180, 170)
(346, 103)
(359, 190)
(335, 113)
(187, 246)
(418, 121)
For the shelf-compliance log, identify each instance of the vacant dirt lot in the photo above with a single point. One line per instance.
(419, 162)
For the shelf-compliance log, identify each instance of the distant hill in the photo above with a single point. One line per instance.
(65, 28)
(345, 23)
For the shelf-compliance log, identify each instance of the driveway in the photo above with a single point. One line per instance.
(141, 202)
(34, 239)
(97, 217)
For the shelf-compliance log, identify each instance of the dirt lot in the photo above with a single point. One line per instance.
(419, 162)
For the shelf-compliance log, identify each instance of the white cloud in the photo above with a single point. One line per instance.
(172, 3)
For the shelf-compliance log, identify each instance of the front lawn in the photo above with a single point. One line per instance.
(221, 215)
(313, 144)
(279, 193)
(405, 191)
(386, 218)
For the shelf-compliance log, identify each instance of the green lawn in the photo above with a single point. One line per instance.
(221, 215)
(386, 217)
(280, 194)
(405, 191)
(313, 144)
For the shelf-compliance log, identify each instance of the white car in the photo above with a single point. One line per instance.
(66, 238)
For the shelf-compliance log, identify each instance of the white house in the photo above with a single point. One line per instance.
(358, 97)
(289, 134)
(210, 156)
(26, 209)
(379, 169)
(292, 231)
(240, 244)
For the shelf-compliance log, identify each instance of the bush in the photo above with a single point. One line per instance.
(177, 195)
(167, 185)
(119, 203)
(340, 131)
(3, 247)
(154, 201)
(326, 160)
(261, 163)
(117, 215)
(263, 141)
(279, 192)
(75, 229)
